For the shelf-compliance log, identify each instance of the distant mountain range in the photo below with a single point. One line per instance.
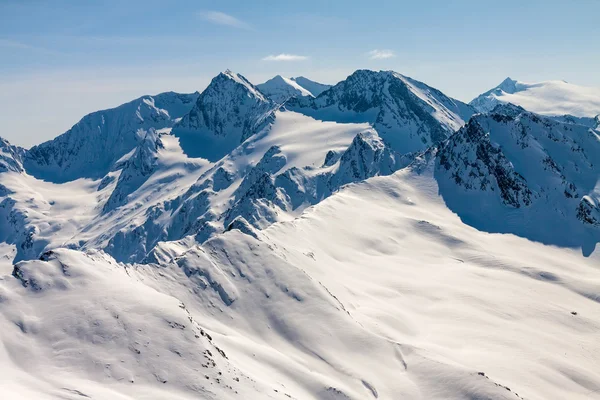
(548, 98)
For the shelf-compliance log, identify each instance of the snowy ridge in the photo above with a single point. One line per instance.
(407, 114)
(117, 131)
(547, 98)
(315, 88)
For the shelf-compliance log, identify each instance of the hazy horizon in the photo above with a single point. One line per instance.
(69, 59)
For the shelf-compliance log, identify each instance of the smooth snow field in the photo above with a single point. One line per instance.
(377, 292)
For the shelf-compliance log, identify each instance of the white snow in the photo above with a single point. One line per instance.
(427, 283)
(279, 89)
(547, 98)
(399, 300)
(315, 88)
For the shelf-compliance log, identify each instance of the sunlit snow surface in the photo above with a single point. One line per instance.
(466, 271)
(548, 98)
(378, 291)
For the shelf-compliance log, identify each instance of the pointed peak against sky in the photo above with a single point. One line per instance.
(508, 85)
(229, 75)
(279, 89)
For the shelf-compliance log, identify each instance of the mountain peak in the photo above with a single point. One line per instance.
(227, 112)
(280, 89)
(553, 98)
(408, 115)
(229, 75)
(508, 85)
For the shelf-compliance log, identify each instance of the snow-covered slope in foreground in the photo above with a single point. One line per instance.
(548, 98)
(379, 291)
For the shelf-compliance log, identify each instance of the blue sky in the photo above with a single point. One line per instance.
(62, 59)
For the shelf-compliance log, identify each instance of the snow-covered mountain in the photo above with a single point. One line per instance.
(537, 176)
(92, 146)
(315, 88)
(547, 98)
(407, 114)
(227, 246)
(279, 89)
(229, 111)
(11, 157)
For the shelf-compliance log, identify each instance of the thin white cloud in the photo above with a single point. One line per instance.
(285, 57)
(380, 54)
(220, 18)
(13, 44)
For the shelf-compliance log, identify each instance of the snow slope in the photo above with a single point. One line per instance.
(547, 98)
(247, 250)
(157, 193)
(400, 300)
(272, 176)
(279, 89)
(407, 114)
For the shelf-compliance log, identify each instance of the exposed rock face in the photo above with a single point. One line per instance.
(588, 211)
(474, 163)
(525, 160)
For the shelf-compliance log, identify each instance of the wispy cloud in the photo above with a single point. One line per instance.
(285, 57)
(14, 44)
(380, 54)
(220, 18)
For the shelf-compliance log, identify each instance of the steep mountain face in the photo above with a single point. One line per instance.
(279, 89)
(228, 111)
(91, 147)
(546, 98)
(138, 167)
(407, 114)
(11, 157)
(315, 88)
(512, 159)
